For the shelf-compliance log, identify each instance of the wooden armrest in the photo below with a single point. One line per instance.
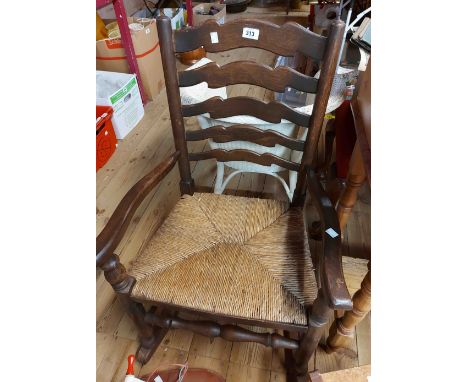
(329, 265)
(114, 230)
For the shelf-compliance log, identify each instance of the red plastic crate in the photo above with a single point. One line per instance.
(106, 141)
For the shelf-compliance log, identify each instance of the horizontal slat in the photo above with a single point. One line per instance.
(284, 40)
(265, 159)
(248, 72)
(271, 112)
(268, 138)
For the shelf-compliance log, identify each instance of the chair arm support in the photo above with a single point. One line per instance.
(110, 236)
(329, 265)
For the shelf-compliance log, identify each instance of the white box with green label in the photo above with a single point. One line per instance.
(120, 90)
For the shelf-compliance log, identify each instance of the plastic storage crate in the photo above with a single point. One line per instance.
(106, 141)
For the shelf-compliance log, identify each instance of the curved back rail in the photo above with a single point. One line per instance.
(285, 40)
(248, 72)
(267, 138)
(272, 112)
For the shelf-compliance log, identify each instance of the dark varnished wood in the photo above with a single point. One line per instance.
(248, 72)
(122, 283)
(222, 134)
(227, 332)
(187, 185)
(265, 159)
(318, 316)
(114, 230)
(327, 73)
(284, 40)
(329, 269)
(271, 112)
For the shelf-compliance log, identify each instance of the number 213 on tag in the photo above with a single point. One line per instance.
(250, 33)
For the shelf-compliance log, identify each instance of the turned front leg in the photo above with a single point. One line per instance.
(122, 283)
(343, 329)
(318, 318)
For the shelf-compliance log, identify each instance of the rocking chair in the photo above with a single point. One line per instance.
(237, 260)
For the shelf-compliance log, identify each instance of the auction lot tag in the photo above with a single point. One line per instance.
(214, 37)
(250, 33)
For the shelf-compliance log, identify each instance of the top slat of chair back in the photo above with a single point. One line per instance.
(285, 40)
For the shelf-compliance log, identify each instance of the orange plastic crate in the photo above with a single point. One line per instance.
(106, 141)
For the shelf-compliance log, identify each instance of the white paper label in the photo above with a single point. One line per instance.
(331, 232)
(250, 33)
(214, 37)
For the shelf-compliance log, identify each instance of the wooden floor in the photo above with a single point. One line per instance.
(139, 152)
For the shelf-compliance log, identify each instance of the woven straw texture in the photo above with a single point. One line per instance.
(230, 255)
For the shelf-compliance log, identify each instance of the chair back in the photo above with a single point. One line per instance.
(285, 40)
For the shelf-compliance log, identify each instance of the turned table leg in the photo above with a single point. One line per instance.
(356, 177)
(343, 329)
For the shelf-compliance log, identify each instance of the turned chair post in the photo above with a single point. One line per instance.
(187, 185)
(328, 69)
(318, 317)
(122, 283)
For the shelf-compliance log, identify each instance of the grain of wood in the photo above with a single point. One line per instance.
(238, 373)
(278, 361)
(178, 339)
(126, 328)
(278, 376)
(164, 358)
(363, 340)
(354, 272)
(111, 318)
(334, 361)
(331, 362)
(213, 348)
(121, 370)
(214, 364)
(252, 354)
(111, 350)
(357, 374)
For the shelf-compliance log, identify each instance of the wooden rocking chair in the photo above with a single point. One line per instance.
(236, 260)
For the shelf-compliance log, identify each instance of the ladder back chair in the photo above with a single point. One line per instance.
(236, 260)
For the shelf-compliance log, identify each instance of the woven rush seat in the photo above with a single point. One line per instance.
(230, 255)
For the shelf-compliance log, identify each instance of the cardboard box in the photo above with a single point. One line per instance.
(120, 91)
(111, 57)
(220, 17)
